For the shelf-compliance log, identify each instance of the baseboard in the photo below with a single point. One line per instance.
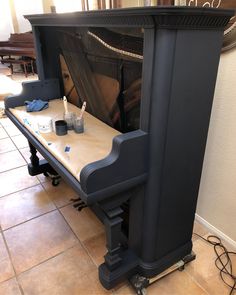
(215, 231)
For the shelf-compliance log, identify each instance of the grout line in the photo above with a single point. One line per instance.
(2, 153)
(10, 257)
(14, 135)
(10, 136)
(69, 226)
(196, 281)
(13, 168)
(42, 262)
(82, 244)
(58, 207)
(23, 222)
(7, 195)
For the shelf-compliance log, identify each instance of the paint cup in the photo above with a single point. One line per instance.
(79, 125)
(69, 118)
(61, 127)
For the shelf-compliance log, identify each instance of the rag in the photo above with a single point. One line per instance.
(36, 105)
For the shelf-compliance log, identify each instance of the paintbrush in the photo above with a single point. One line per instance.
(82, 110)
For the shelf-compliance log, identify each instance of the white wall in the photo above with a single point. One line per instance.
(217, 195)
(67, 6)
(26, 7)
(6, 26)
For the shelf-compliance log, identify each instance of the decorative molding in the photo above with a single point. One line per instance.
(230, 31)
(215, 231)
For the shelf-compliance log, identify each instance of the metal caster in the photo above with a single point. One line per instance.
(55, 178)
(139, 284)
(55, 181)
(142, 292)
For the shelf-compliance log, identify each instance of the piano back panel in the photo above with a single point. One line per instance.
(104, 68)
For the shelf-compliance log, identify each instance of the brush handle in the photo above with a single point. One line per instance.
(82, 110)
(65, 104)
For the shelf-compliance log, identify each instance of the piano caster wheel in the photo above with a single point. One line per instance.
(181, 268)
(55, 181)
(139, 283)
(142, 292)
(55, 178)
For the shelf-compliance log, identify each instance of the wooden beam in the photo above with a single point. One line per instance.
(13, 16)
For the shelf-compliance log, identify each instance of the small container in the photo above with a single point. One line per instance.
(79, 125)
(61, 127)
(69, 118)
(45, 124)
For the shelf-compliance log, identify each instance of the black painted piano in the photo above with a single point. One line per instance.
(148, 77)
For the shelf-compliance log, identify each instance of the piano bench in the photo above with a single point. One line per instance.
(13, 61)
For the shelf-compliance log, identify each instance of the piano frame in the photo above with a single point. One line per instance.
(157, 168)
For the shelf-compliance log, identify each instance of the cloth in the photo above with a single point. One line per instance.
(36, 105)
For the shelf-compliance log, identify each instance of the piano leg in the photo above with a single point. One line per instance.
(33, 158)
(37, 166)
(120, 262)
(113, 231)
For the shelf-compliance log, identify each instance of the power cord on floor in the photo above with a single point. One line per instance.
(223, 261)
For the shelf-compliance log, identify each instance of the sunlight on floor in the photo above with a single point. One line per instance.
(9, 86)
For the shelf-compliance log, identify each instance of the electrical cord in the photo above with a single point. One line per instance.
(223, 261)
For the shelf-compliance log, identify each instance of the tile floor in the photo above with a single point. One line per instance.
(47, 247)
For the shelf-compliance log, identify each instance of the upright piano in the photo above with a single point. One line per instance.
(148, 77)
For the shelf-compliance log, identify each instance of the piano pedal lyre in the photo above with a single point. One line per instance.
(78, 203)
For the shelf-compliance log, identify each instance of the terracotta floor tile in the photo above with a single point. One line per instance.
(71, 272)
(20, 141)
(3, 133)
(96, 247)
(127, 290)
(60, 194)
(15, 180)
(6, 269)
(24, 205)
(84, 223)
(11, 160)
(12, 130)
(204, 271)
(39, 239)
(10, 287)
(90, 284)
(6, 145)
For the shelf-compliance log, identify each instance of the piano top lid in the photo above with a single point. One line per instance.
(169, 17)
